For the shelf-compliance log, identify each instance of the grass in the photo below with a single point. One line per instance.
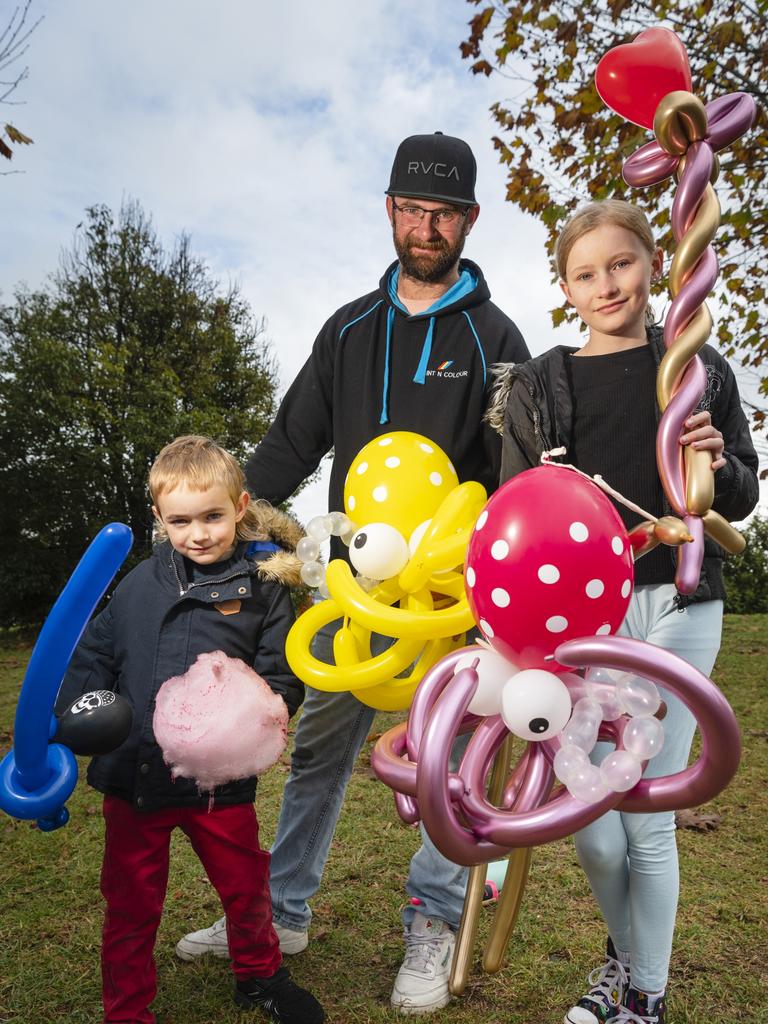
(51, 906)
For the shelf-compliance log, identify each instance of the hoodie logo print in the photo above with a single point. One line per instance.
(444, 370)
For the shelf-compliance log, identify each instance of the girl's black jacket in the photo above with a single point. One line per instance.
(374, 369)
(532, 409)
(156, 624)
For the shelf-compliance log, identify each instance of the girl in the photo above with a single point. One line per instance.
(598, 401)
(216, 582)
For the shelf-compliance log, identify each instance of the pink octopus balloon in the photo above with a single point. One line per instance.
(413, 758)
(548, 522)
(549, 560)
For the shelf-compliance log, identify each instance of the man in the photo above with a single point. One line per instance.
(412, 355)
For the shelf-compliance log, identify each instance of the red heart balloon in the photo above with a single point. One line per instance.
(634, 78)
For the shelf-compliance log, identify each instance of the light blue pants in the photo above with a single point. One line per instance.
(329, 737)
(631, 859)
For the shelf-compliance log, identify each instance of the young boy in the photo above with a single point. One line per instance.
(218, 581)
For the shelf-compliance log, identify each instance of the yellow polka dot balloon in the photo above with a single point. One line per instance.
(411, 523)
(399, 478)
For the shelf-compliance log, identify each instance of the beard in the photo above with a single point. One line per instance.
(432, 267)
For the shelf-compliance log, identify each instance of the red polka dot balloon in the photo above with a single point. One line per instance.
(549, 560)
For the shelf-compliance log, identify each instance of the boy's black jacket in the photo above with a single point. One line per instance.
(355, 386)
(533, 411)
(151, 631)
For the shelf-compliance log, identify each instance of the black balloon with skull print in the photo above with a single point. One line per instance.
(98, 722)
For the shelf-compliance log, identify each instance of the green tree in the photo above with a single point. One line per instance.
(746, 576)
(561, 145)
(128, 347)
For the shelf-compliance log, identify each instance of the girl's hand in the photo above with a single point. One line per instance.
(705, 437)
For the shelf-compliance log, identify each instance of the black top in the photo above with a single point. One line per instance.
(363, 379)
(533, 407)
(624, 385)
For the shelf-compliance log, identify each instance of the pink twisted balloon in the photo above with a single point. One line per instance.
(689, 135)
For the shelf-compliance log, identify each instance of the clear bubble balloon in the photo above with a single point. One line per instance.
(323, 591)
(568, 761)
(587, 785)
(644, 737)
(308, 549)
(638, 697)
(312, 573)
(319, 527)
(590, 708)
(598, 674)
(605, 695)
(581, 731)
(365, 582)
(621, 771)
(348, 531)
(339, 522)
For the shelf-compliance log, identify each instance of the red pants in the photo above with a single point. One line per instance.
(134, 877)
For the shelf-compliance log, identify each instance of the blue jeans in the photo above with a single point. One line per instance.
(329, 737)
(631, 859)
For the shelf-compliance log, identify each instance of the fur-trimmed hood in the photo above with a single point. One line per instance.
(277, 527)
(502, 374)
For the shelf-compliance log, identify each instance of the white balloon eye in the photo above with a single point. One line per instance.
(378, 551)
(493, 671)
(535, 704)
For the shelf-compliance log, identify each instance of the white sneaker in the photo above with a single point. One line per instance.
(421, 985)
(291, 942)
(608, 986)
(207, 940)
(214, 940)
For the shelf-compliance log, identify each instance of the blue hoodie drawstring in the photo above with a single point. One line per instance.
(384, 418)
(467, 282)
(420, 376)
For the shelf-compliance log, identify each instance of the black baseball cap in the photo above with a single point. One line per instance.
(434, 166)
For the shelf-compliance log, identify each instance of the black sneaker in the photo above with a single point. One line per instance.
(636, 1009)
(281, 998)
(608, 984)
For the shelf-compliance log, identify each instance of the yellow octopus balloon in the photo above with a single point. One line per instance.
(411, 523)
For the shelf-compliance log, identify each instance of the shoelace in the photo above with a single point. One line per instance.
(421, 953)
(626, 1016)
(604, 979)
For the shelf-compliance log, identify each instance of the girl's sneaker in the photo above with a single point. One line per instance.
(638, 1008)
(608, 984)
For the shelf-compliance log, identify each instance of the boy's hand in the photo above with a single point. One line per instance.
(703, 436)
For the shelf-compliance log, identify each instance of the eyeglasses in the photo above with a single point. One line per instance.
(445, 218)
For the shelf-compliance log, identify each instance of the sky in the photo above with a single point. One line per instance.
(266, 132)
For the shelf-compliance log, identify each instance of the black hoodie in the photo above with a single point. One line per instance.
(374, 369)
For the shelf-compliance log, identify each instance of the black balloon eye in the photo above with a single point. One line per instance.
(538, 725)
(360, 540)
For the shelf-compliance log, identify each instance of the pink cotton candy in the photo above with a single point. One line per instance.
(219, 721)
